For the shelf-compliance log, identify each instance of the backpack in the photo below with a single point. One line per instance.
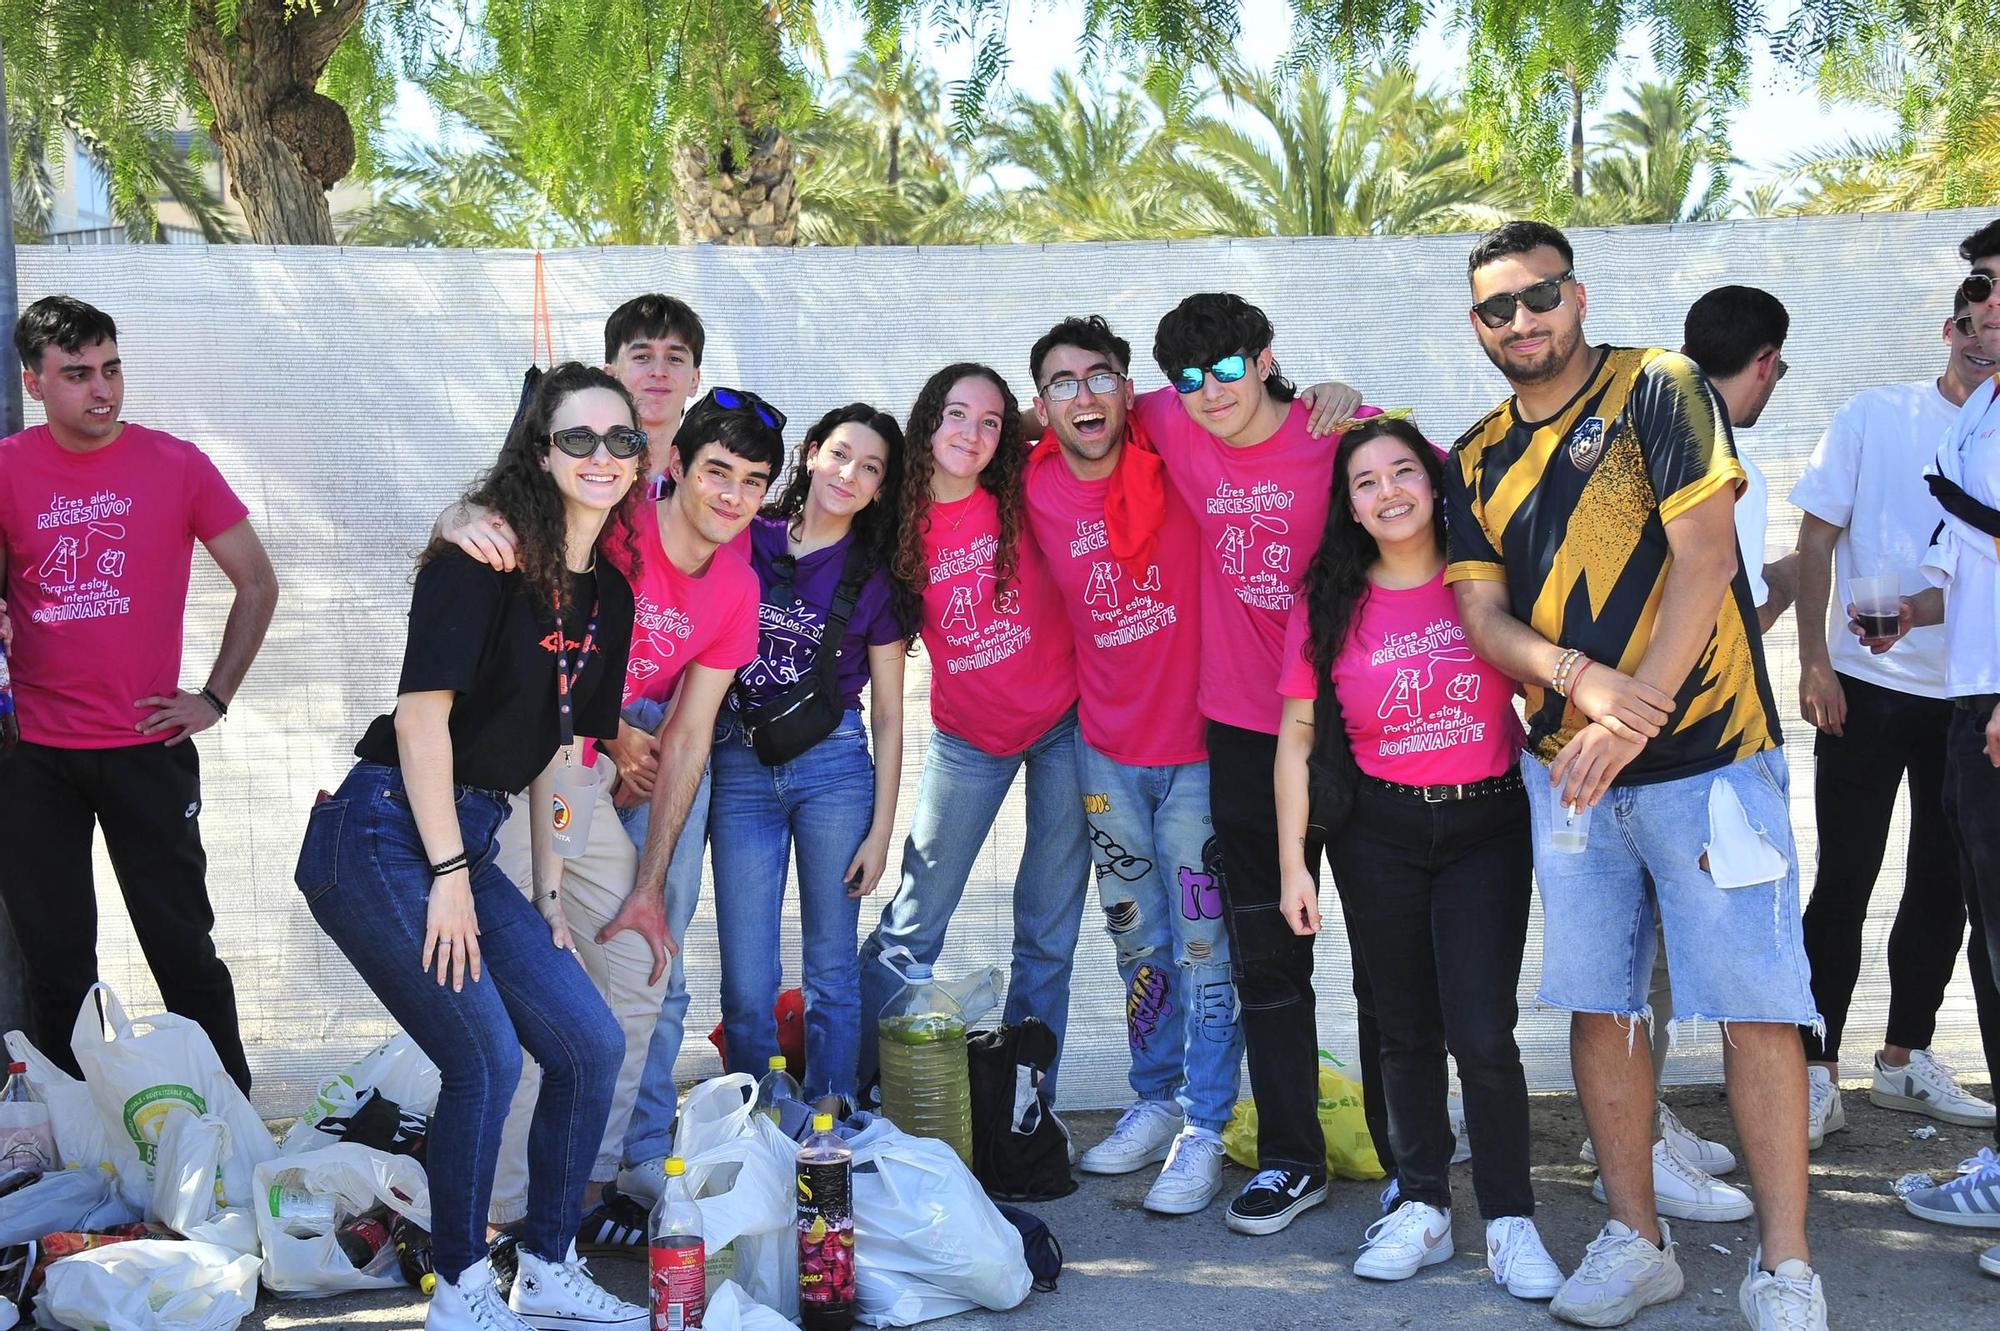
(1020, 1151)
(1038, 1246)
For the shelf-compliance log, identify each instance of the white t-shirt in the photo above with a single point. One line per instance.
(1867, 478)
(1752, 521)
(1969, 570)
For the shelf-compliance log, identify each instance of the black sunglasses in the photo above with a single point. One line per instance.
(1497, 311)
(742, 399)
(621, 441)
(1977, 288)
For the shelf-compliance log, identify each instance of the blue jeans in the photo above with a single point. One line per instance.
(957, 800)
(1158, 881)
(366, 879)
(819, 804)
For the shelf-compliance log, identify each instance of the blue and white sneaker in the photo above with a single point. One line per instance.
(1972, 1200)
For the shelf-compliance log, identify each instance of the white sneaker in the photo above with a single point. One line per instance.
(1519, 1262)
(1788, 1299)
(1685, 1193)
(1145, 1134)
(1926, 1086)
(1989, 1261)
(1193, 1174)
(1620, 1274)
(1823, 1111)
(644, 1183)
(558, 1296)
(1707, 1156)
(1405, 1241)
(471, 1304)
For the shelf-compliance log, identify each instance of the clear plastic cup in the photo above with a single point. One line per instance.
(1569, 825)
(575, 800)
(1878, 605)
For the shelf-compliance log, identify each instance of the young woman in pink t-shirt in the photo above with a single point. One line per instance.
(1003, 698)
(1432, 859)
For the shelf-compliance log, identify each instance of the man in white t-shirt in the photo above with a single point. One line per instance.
(1867, 512)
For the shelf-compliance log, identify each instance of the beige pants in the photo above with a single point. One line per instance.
(594, 886)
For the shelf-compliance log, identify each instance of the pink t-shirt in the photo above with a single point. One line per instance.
(680, 620)
(1138, 640)
(1002, 670)
(1260, 511)
(99, 546)
(1420, 708)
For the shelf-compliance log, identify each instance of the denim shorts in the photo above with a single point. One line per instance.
(1735, 953)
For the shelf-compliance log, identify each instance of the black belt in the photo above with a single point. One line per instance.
(1492, 785)
(1979, 704)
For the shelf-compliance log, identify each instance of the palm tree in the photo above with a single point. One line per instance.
(1649, 158)
(144, 167)
(1944, 155)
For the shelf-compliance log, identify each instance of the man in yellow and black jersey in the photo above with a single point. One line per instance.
(1593, 552)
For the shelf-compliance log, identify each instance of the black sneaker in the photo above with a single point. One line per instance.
(615, 1225)
(1270, 1200)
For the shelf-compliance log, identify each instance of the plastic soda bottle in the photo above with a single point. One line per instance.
(678, 1288)
(413, 1254)
(925, 1087)
(826, 1230)
(27, 1138)
(775, 1087)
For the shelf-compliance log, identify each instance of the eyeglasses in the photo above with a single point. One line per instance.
(1963, 323)
(1189, 378)
(1497, 311)
(1977, 288)
(621, 441)
(742, 399)
(1100, 383)
(1779, 371)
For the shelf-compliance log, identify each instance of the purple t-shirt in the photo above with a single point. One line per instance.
(791, 620)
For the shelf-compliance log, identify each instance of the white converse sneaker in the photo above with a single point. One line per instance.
(1685, 1193)
(561, 1296)
(1405, 1241)
(1787, 1299)
(1926, 1086)
(1519, 1262)
(1193, 1174)
(1145, 1134)
(1620, 1274)
(1823, 1111)
(472, 1303)
(1707, 1156)
(644, 1183)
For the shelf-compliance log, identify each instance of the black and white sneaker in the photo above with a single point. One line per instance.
(1270, 1200)
(613, 1226)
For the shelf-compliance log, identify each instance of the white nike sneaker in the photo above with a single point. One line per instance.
(1685, 1193)
(1518, 1260)
(561, 1296)
(1620, 1274)
(1144, 1135)
(1405, 1241)
(1927, 1086)
(1192, 1176)
(1788, 1299)
(1823, 1111)
(1707, 1156)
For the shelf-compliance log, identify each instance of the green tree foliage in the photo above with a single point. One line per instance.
(1663, 159)
(1941, 156)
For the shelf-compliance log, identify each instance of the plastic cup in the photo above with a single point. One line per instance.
(1569, 825)
(574, 802)
(1878, 605)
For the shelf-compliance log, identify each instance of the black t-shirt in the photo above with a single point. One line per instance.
(477, 632)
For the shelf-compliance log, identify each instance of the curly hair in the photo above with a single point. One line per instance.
(519, 488)
(1336, 581)
(1210, 325)
(876, 526)
(1003, 478)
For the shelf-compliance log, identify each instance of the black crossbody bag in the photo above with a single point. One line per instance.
(784, 727)
(1332, 775)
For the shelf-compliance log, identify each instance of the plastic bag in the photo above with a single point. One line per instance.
(150, 1285)
(80, 1137)
(714, 1112)
(397, 1069)
(189, 1180)
(71, 1199)
(731, 1309)
(1350, 1151)
(150, 1070)
(355, 1179)
(745, 1189)
(927, 1242)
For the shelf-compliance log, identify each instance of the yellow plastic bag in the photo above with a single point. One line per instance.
(1350, 1151)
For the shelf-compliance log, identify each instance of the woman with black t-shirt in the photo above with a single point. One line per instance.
(502, 673)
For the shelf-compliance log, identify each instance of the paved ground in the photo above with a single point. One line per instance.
(1125, 1268)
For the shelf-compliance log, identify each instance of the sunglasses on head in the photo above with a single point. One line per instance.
(1189, 378)
(1100, 383)
(742, 399)
(1497, 311)
(1977, 288)
(621, 441)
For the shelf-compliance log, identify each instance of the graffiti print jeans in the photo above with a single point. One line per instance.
(1154, 853)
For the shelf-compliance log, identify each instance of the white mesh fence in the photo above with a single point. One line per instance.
(349, 394)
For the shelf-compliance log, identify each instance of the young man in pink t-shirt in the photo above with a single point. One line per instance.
(98, 521)
(1133, 596)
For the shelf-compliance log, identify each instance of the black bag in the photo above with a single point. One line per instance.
(1038, 1246)
(784, 727)
(1332, 775)
(1020, 1152)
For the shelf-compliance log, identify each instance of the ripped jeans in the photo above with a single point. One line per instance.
(1155, 857)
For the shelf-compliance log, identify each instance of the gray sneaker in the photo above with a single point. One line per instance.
(1972, 1200)
(1620, 1274)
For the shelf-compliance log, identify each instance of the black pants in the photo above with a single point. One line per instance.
(147, 798)
(1273, 966)
(1855, 778)
(1972, 808)
(1437, 900)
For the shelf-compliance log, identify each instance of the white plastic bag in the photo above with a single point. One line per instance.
(731, 1309)
(150, 1070)
(190, 1169)
(397, 1068)
(714, 1112)
(80, 1136)
(927, 1242)
(356, 1178)
(149, 1285)
(80, 1199)
(745, 1189)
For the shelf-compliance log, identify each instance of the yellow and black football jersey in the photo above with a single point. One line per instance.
(1570, 513)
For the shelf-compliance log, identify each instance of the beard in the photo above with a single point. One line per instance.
(1551, 361)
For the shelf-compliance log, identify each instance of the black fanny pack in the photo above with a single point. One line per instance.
(784, 727)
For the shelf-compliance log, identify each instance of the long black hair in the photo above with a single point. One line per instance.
(875, 526)
(1336, 581)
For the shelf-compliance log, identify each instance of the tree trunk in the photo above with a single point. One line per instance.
(722, 201)
(284, 145)
(1575, 135)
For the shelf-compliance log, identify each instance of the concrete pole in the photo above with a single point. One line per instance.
(13, 997)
